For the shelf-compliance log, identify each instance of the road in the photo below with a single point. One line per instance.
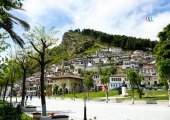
(105, 111)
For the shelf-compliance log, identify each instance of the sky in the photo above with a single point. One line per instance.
(124, 17)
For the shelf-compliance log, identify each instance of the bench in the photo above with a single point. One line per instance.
(28, 108)
(60, 117)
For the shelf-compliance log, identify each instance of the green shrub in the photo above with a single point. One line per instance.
(8, 112)
(119, 92)
(26, 117)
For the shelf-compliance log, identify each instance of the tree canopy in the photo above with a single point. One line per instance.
(40, 41)
(7, 20)
(162, 51)
(125, 42)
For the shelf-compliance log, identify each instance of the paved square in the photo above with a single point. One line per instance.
(105, 111)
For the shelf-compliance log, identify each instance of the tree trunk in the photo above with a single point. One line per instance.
(63, 93)
(74, 95)
(87, 95)
(43, 102)
(169, 92)
(0, 92)
(11, 92)
(23, 88)
(106, 94)
(132, 96)
(6, 85)
(139, 92)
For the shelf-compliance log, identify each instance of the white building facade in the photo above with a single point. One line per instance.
(117, 81)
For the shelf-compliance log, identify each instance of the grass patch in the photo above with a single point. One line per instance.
(91, 94)
(148, 95)
(26, 117)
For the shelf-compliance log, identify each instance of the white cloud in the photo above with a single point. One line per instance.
(115, 17)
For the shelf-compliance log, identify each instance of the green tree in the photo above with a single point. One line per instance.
(105, 75)
(3, 46)
(26, 64)
(14, 74)
(164, 35)
(133, 78)
(140, 89)
(162, 52)
(88, 83)
(162, 49)
(2, 82)
(6, 79)
(63, 85)
(164, 72)
(11, 73)
(55, 89)
(7, 20)
(40, 41)
(3, 59)
(73, 88)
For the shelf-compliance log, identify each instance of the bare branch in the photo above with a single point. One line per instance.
(35, 47)
(34, 58)
(48, 61)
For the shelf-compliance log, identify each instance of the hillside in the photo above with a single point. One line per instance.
(77, 43)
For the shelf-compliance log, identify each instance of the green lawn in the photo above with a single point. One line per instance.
(91, 94)
(147, 95)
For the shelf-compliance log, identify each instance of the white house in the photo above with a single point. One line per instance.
(125, 57)
(75, 71)
(138, 52)
(96, 81)
(115, 50)
(150, 79)
(117, 81)
(105, 60)
(148, 69)
(130, 64)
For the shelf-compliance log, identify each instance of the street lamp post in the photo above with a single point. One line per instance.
(84, 87)
(85, 115)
